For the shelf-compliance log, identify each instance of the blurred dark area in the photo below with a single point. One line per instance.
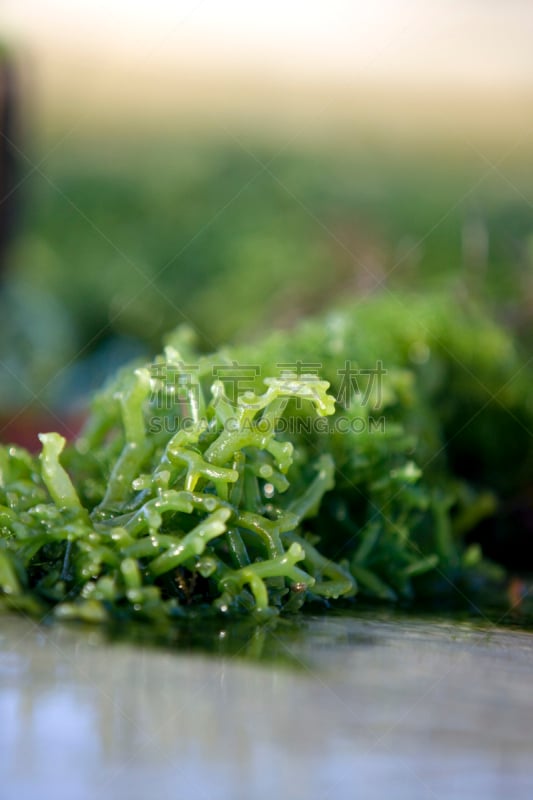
(507, 537)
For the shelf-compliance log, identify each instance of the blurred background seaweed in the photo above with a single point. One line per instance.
(239, 170)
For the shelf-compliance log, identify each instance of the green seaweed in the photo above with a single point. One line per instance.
(187, 490)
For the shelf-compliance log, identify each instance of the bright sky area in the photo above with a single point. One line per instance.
(472, 42)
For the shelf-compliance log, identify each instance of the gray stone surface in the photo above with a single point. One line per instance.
(353, 707)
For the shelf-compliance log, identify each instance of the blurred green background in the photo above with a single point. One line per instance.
(118, 244)
(237, 172)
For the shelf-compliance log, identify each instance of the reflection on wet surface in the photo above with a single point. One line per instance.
(341, 706)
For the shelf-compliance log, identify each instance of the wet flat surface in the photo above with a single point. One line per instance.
(366, 706)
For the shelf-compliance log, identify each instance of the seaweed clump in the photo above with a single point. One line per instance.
(311, 467)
